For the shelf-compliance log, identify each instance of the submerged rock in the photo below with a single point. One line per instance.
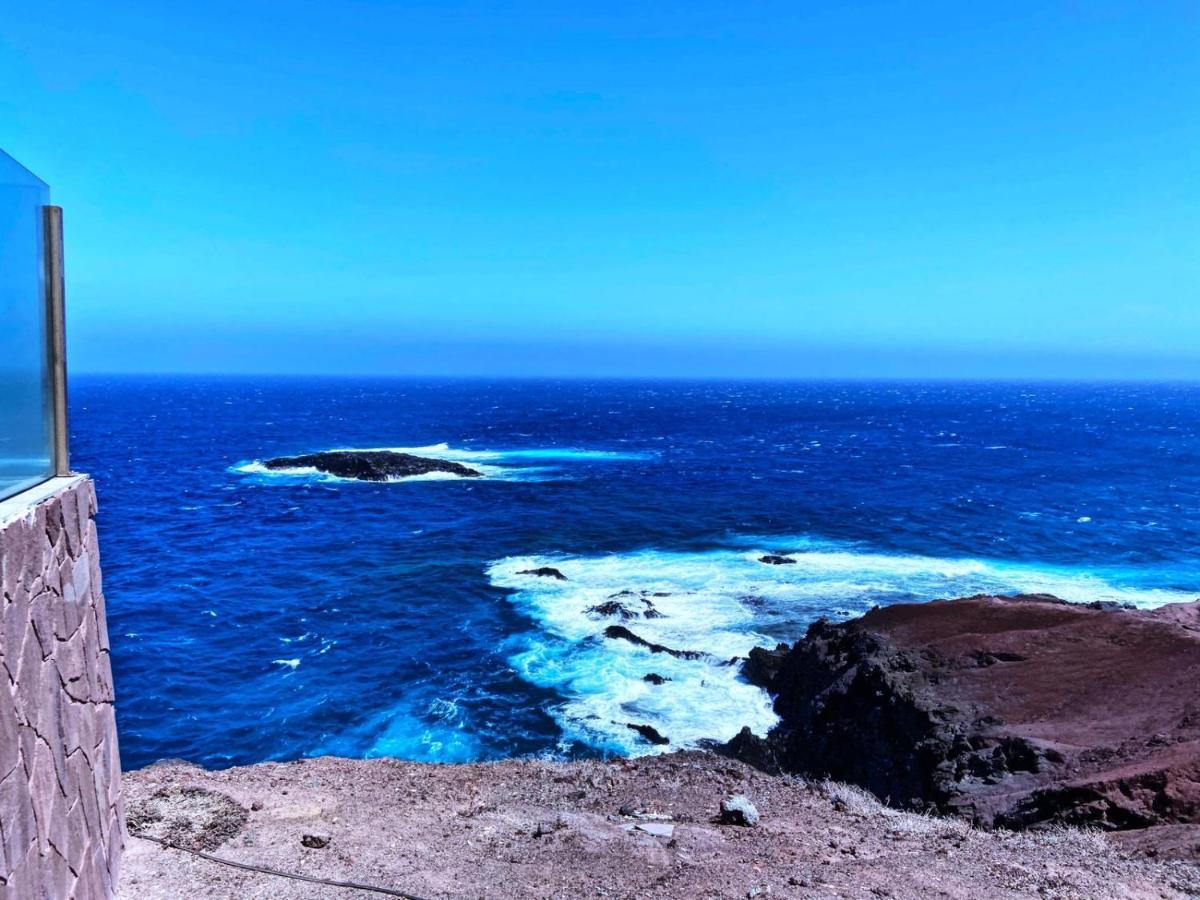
(651, 611)
(371, 465)
(613, 608)
(655, 678)
(621, 633)
(544, 572)
(774, 559)
(649, 732)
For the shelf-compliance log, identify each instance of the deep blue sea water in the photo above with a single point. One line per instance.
(271, 616)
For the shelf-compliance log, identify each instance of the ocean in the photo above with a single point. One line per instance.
(259, 615)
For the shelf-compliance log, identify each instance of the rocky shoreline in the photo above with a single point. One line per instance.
(1014, 712)
(991, 726)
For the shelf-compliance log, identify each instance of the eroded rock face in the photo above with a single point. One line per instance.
(371, 465)
(1011, 711)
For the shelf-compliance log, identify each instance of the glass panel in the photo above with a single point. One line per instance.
(26, 418)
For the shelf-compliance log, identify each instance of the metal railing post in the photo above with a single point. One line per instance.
(56, 334)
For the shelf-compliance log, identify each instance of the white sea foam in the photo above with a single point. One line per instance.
(432, 731)
(724, 602)
(556, 454)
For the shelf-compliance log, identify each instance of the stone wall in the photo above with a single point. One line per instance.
(61, 817)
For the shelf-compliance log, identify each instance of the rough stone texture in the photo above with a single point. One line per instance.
(631, 829)
(1021, 712)
(372, 465)
(61, 818)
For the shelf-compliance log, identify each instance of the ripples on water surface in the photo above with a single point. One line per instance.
(270, 616)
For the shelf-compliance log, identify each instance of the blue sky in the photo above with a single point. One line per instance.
(765, 189)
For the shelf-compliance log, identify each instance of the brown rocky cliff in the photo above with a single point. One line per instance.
(1011, 711)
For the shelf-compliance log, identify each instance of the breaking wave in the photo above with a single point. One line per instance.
(723, 602)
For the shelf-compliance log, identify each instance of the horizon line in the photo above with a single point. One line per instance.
(584, 377)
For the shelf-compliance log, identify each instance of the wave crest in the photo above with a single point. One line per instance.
(723, 602)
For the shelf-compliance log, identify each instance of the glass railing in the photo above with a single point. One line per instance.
(32, 396)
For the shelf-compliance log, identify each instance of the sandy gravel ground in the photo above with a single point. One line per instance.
(527, 829)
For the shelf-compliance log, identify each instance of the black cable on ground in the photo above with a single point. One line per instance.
(250, 867)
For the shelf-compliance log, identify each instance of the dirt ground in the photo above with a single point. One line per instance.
(644, 828)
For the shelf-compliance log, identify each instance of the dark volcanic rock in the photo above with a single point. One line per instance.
(655, 678)
(651, 611)
(774, 559)
(649, 733)
(544, 572)
(621, 633)
(762, 666)
(613, 608)
(371, 465)
(1012, 711)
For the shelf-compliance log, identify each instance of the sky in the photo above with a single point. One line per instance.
(815, 189)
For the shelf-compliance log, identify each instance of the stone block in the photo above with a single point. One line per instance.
(20, 828)
(82, 770)
(101, 622)
(72, 662)
(10, 751)
(20, 548)
(29, 674)
(81, 578)
(115, 845)
(43, 786)
(73, 604)
(14, 626)
(34, 548)
(54, 523)
(25, 878)
(77, 839)
(73, 526)
(43, 612)
(57, 877)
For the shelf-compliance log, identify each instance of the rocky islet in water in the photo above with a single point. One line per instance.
(372, 465)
